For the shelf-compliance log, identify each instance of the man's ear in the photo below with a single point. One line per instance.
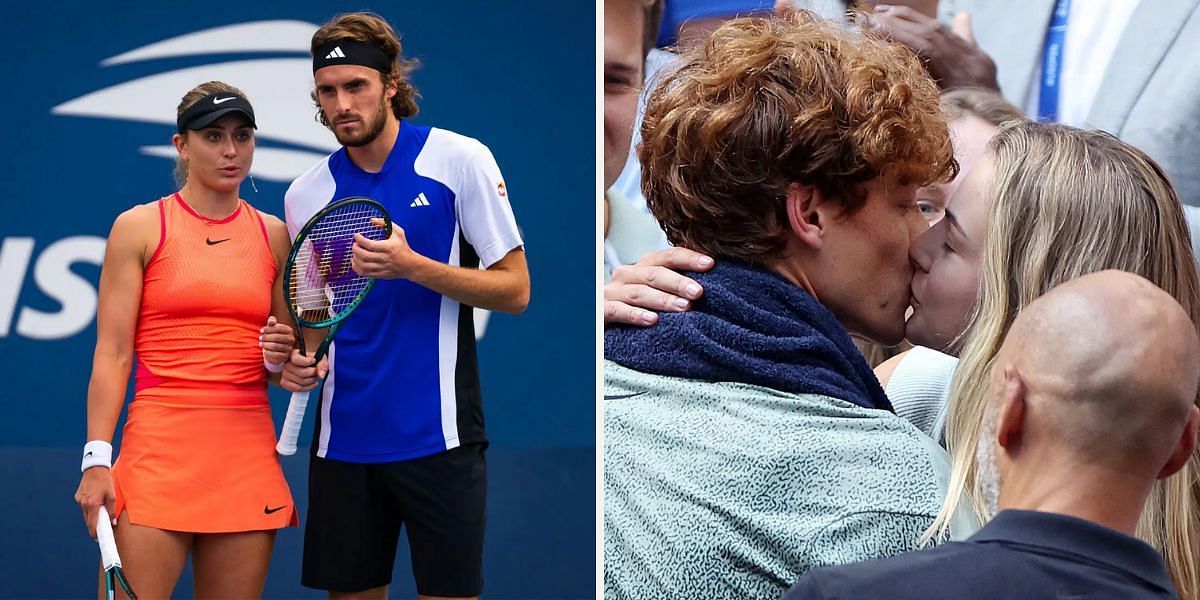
(1011, 425)
(1183, 449)
(391, 88)
(805, 221)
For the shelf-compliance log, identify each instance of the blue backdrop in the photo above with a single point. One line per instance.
(90, 112)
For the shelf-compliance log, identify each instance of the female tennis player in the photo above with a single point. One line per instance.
(186, 284)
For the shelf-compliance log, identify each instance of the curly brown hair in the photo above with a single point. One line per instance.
(771, 101)
(372, 28)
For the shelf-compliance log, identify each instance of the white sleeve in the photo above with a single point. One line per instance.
(307, 195)
(289, 212)
(482, 207)
(919, 388)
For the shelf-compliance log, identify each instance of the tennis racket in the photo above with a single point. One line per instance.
(113, 574)
(322, 290)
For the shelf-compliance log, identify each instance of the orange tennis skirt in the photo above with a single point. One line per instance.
(202, 461)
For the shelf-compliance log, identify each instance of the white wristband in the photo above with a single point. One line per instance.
(272, 367)
(96, 453)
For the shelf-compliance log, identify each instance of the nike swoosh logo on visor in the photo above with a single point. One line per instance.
(220, 100)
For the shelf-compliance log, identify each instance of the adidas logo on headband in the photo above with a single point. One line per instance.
(339, 51)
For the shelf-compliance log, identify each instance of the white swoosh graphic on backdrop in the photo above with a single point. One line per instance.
(279, 88)
(260, 36)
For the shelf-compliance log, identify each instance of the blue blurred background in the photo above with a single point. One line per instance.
(90, 111)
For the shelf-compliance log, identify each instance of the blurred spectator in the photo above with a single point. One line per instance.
(975, 114)
(629, 31)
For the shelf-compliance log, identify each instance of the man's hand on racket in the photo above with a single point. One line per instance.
(392, 258)
(277, 341)
(653, 284)
(300, 374)
(95, 490)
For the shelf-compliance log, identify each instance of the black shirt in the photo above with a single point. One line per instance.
(1019, 554)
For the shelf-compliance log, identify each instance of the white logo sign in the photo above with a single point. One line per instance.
(289, 140)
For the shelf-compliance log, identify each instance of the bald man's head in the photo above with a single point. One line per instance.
(1108, 366)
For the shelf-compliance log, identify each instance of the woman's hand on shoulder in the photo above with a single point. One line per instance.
(654, 284)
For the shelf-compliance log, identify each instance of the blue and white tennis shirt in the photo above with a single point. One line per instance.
(403, 381)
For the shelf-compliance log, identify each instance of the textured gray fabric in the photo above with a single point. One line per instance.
(724, 490)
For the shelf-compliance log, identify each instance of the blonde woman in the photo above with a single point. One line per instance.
(1044, 205)
(1064, 203)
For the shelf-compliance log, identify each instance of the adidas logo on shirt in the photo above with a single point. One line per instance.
(336, 53)
(419, 201)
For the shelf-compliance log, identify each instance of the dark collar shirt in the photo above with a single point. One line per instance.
(1020, 554)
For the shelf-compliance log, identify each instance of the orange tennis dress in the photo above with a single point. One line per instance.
(198, 448)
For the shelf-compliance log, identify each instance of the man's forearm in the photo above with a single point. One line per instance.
(503, 287)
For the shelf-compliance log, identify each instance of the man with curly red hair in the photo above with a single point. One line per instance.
(747, 440)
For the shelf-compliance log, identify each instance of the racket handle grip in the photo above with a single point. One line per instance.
(104, 537)
(290, 433)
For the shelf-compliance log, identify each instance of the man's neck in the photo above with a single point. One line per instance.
(791, 269)
(371, 157)
(1099, 495)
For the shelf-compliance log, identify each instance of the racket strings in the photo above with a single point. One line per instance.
(323, 284)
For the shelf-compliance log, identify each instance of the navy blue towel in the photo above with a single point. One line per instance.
(752, 326)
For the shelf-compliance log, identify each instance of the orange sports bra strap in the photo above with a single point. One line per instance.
(162, 230)
(261, 225)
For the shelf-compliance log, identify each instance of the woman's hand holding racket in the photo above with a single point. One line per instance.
(276, 341)
(95, 490)
(96, 497)
(114, 573)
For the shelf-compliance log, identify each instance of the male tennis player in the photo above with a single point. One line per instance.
(399, 439)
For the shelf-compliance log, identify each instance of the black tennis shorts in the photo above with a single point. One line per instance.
(356, 511)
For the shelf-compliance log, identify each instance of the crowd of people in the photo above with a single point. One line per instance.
(926, 326)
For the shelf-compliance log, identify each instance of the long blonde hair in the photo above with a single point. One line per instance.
(1067, 202)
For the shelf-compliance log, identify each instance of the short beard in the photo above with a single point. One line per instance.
(988, 477)
(374, 127)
